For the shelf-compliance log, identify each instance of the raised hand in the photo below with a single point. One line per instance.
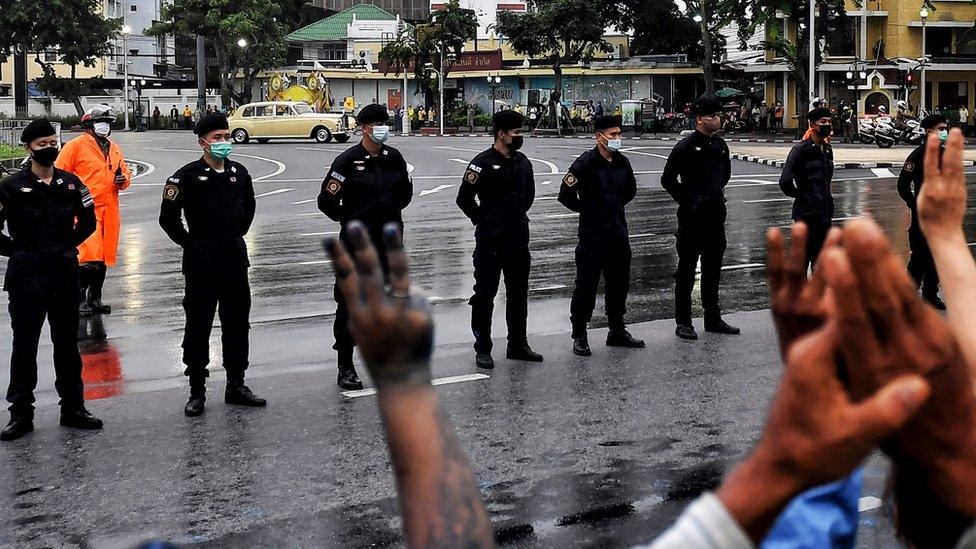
(942, 202)
(799, 303)
(393, 328)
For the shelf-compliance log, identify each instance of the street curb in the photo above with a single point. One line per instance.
(837, 165)
(590, 136)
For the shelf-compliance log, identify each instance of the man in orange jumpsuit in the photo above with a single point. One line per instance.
(98, 162)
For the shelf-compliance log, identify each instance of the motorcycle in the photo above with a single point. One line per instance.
(865, 130)
(912, 133)
(885, 133)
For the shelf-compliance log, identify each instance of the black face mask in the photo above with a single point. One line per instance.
(45, 157)
(824, 130)
(516, 143)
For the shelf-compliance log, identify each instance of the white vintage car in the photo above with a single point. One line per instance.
(268, 120)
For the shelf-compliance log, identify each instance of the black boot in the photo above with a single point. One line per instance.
(719, 326)
(198, 398)
(239, 394)
(685, 331)
(581, 346)
(19, 425)
(523, 352)
(95, 290)
(622, 338)
(80, 418)
(348, 379)
(484, 361)
(84, 282)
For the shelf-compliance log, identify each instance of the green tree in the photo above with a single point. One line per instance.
(658, 27)
(224, 23)
(445, 32)
(75, 31)
(561, 32)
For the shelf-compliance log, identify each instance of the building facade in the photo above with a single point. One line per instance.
(878, 60)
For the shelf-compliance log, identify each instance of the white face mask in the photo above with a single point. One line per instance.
(380, 134)
(614, 144)
(102, 128)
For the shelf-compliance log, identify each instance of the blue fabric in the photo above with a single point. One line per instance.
(822, 517)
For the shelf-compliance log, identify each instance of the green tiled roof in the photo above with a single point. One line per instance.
(334, 27)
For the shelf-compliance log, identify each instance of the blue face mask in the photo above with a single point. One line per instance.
(221, 150)
(614, 144)
(380, 134)
(943, 136)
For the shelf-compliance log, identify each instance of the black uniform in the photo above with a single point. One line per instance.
(496, 194)
(219, 208)
(920, 264)
(806, 177)
(46, 223)
(370, 189)
(599, 189)
(704, 168)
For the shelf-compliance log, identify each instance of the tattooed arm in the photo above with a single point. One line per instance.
(439, 501)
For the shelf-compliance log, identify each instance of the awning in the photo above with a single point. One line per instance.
(943, 24)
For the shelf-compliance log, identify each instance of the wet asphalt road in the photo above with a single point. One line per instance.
(602, 452)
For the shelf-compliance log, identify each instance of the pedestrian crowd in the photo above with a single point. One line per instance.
(868, 363)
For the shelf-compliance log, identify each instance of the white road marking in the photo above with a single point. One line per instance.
(459, 160)
(847, 218)
(641, 235)
(742, 266)
(410, 168)
(785, 199)
(280, 166)
(631, 151)
(274, 192)
(868, 503)
(300, 202)
(558, 216)
(545, 288)
(546, 197)
(319, 150)
(553, 170)
(324, 233)
(149, 168)
(316, 262)
(751, 183)
(455, 149)
(123, 193)
(310, 214)
(435, 382)
(547, 182)
(882, 172)
(436, 189)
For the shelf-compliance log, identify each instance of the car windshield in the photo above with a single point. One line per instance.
(302, 108)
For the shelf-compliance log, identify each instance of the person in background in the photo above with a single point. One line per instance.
(187, 118)
(174, 118)
(155, 117)
(778, 113)
(964, 120)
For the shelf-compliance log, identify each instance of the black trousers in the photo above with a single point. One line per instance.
(490, 261)
(27, 313)
(816, 235)
(612, 260)
(226, 294)
(344, 342)
(705, 241)
(921, 265)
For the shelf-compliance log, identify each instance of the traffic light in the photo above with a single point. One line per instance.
(910, 79)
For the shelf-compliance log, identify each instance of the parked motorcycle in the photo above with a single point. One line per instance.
(885, 133)
(865, 130)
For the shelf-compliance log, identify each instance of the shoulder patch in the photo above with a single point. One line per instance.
(475, 168)
(470, 175)
(333, 186)
(170, 192)
(909, 167)
(338, 176)
(569, 179)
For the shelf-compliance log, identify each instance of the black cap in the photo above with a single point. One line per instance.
(606, 121)
(817, 114)
(503, 121)
(932, 121)
(373, 114)
(211, 122)
(706, 104)
(36, 129)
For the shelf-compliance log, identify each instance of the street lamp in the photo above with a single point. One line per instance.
(924, 14)
(493, 83)
(242, 43)
(138, 85)
(440, 85)
(126, 31)
(697, 18)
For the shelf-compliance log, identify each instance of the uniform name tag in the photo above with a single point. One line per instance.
(338, 176)
(26, 189)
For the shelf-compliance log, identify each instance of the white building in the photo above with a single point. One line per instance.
(487, 12)
(143, 51)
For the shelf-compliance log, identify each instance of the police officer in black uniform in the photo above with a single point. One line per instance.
(497, 190)
(369, 183)
(921, 265)
(216, 197)
(695, 175)
(598, 185)
(806, 177)
(48, 213)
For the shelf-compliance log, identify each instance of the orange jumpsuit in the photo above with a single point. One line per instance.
(83, 157)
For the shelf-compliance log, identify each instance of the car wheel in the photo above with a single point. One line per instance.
(240, 136)
(263, 140)
(342, 138)
(322, 135)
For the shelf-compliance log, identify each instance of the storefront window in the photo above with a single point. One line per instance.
(875, 100)
(953, 94)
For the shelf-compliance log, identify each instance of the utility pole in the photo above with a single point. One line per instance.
(813, 54)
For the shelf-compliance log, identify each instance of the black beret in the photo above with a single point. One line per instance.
(706, 104)
(373, 114)
(211, 122)
(932, 121)
(818, 113)
(503, 121)
(37, 129)
(607, 121)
